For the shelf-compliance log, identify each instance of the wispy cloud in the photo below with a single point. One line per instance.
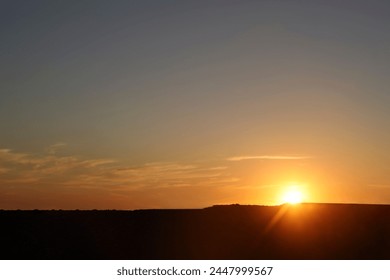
(76, 172)
(268, 157)
(218, 168)
(22, 168)
(53, 149)
(157, 175)
(8, 156)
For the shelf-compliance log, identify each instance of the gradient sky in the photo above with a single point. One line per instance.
(186, 104)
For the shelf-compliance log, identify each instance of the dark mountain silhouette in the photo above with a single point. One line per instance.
(306, 231)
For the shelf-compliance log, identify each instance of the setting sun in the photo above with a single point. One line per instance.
(293, 197)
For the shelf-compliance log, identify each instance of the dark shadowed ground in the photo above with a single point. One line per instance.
(307, 231)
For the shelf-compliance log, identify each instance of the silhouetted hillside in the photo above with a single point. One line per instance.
(307, 231)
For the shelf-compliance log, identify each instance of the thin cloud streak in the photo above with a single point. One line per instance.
(23, 168)
(267, 157)
(157, 175)
(71, 171)
(53, 149)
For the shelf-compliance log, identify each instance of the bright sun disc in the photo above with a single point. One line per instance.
(292, 197)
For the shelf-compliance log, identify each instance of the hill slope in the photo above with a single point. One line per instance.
(307, 231)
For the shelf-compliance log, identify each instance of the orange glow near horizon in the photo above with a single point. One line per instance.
(293, 195)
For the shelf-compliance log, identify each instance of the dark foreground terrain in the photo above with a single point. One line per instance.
(307, 231)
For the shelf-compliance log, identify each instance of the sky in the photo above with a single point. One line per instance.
(187, 104)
